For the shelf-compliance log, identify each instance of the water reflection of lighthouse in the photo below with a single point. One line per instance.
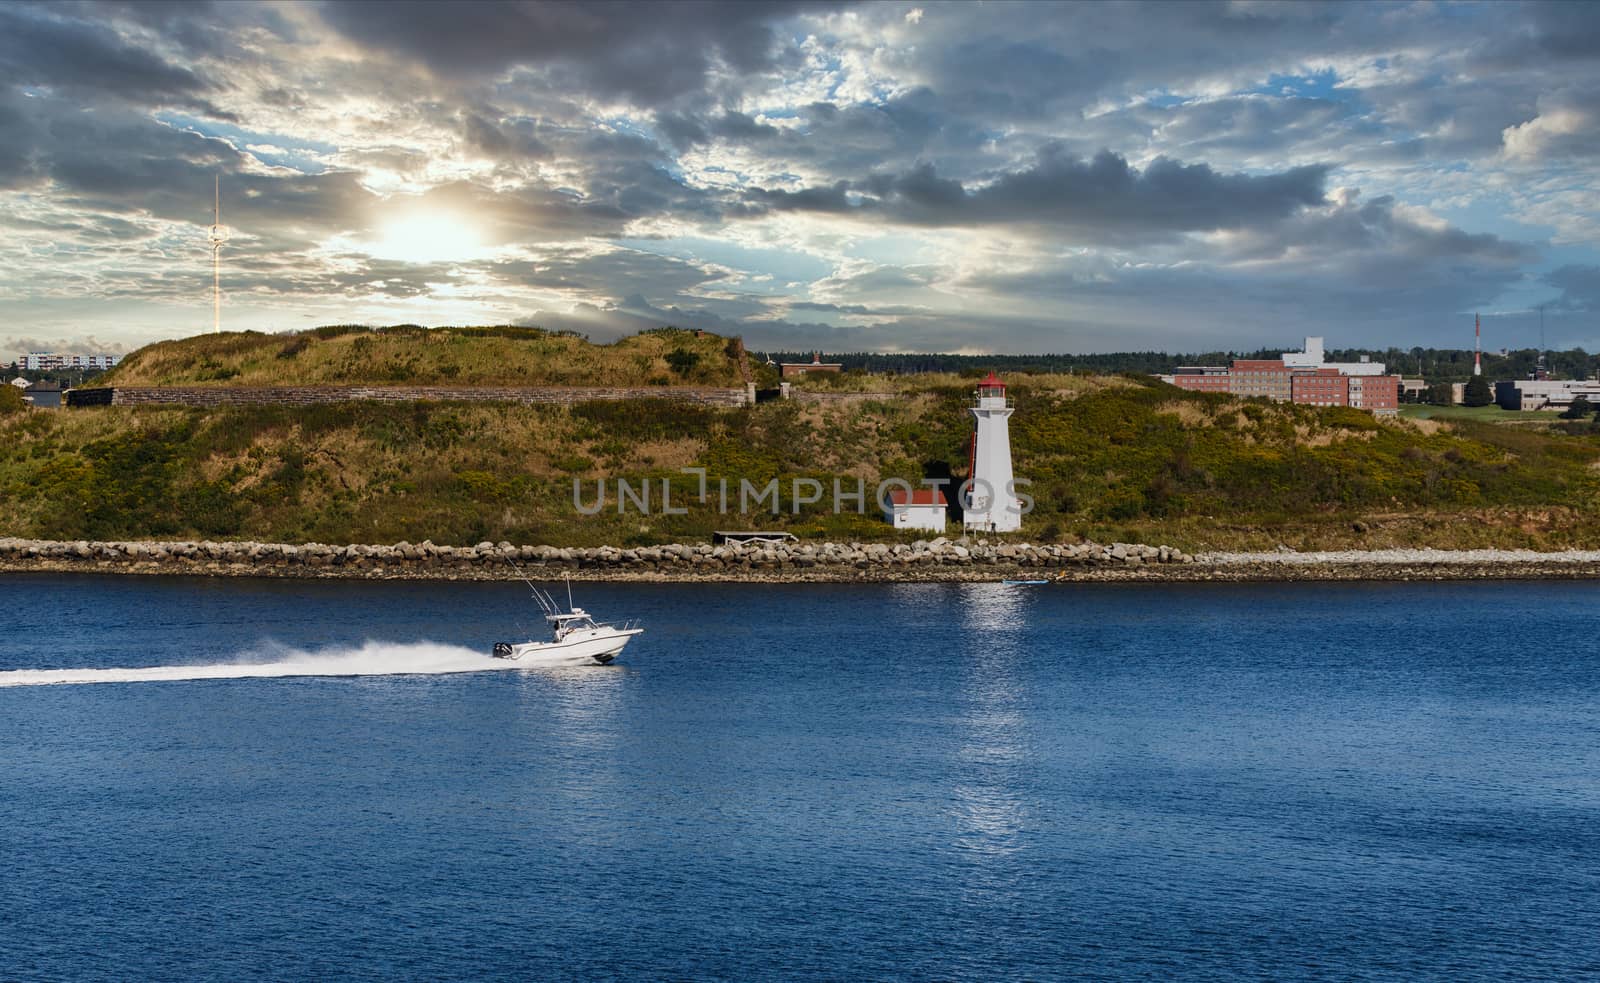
(991, 503)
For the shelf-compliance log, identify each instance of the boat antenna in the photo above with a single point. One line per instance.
(568, 578)
(543, 601)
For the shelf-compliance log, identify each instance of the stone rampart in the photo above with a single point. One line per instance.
(830, 397)
(314, 395)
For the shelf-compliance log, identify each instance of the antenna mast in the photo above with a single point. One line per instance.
(217, 236)
(1477, 345)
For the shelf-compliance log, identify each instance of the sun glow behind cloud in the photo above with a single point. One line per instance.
(428, 237)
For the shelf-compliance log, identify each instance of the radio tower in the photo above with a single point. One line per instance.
(1477, 345)
(217, 236)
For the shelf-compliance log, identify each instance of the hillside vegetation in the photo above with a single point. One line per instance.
(1110, 459)
(412, 355)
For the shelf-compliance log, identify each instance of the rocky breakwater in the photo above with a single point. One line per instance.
(1400, 564)
(925, 560)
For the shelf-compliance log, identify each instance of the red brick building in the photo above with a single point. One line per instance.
(1299, 377)
(1320, 387)
(1378, 393)
(789, 370)
(1205, 378)
(1267, 377)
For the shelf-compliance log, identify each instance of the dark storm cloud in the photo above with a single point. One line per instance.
(511, 139)
(1100, 199)
(614, 273)
(40, 49)
(1579, 286)
(685, 130)
(18, 161)
(648, 53)
(129, 163)
(1023, 63)
(1556, 29)
(1351, 264)
(1375, 233)
(845, 140)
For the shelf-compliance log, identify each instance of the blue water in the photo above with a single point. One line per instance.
(933, 781)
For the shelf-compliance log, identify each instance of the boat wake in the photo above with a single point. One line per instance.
(370, 659)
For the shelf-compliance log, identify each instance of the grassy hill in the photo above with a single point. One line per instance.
(1111, 458)
(407, 354)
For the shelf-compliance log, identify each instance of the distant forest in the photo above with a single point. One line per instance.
(1432, 364)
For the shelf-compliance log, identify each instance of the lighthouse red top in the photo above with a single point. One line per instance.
(991, 386)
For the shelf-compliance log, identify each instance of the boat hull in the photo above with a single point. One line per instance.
(590, 649)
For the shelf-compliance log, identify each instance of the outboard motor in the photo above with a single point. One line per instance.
(502, 650)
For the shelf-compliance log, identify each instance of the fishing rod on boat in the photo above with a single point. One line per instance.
(542, 598)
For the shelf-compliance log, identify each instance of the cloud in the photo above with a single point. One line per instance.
(82, 345)
(997, 176)
(1579, 286)
(649, 54)
(40, 49)
(1100, 200)
(1353, 269)
(1567, 126)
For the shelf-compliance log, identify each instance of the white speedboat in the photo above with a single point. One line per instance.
(576, 638)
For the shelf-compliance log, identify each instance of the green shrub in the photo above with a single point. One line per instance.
(682, 361)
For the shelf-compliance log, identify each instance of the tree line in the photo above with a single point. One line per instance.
(1436, 365)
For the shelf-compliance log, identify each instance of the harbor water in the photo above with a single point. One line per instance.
(236, 779)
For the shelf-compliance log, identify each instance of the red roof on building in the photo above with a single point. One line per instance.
(920, 496)
(992, 380)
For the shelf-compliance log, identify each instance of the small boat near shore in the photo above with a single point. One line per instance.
(1023, 583)
(576, 638)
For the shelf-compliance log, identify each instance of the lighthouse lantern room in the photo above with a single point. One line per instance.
(991, 503)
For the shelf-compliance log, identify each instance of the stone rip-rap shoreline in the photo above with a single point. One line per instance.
(962, 560)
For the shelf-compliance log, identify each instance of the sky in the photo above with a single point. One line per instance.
(937, 177)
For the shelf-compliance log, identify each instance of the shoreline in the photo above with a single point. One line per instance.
(936, 561)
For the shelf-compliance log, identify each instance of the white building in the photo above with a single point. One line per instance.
(1313, 358)
(992, 504)
(922, 508)
(52, 361)
(1545, 394)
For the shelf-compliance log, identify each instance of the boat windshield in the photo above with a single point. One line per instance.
(565, 624)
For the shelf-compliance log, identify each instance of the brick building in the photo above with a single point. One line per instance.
(1299, 377)
(789, 370)
(1378, 393)
(1205, 378)
(1261, 377)
(1320, 387)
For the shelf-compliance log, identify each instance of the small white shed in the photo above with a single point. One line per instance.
(921, 508)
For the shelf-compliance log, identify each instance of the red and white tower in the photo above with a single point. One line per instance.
(991, 503)
(1477, 345)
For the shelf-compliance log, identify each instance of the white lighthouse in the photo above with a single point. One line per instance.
(991, 503)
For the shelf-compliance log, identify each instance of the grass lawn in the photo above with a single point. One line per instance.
(1489, 414)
